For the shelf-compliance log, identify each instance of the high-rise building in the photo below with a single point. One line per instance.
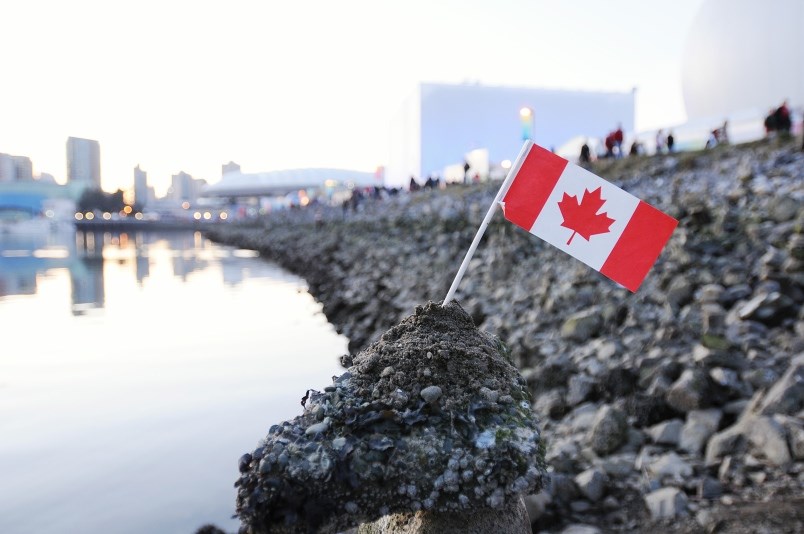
(83, 162)
(15, 168)
(140, 187)
(8, 171)
(229, 167)
(184, 187)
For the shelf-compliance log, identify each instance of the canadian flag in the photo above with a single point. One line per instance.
(585, 216)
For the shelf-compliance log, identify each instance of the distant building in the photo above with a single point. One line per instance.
(83, 162)
(766, 36)
(15, 168)
(442, 127)
(185, 188)
(283, 182)
(140, 187)
(229, 167)
(46, 178)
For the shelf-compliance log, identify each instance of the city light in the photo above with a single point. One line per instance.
(89, 216)
(127, 209)
(526, 120)
(185, 205)
(79, 216)
(107, 215)
(197, 216)
(138, 216)
(49, 214)
(223, 216)
(207, 215)
(506, 164)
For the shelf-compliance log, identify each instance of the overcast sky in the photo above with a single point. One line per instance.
(189, 85)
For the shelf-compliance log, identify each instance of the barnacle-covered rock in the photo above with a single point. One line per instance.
(433, 416)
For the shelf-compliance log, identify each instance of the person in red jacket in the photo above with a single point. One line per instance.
(618, 140)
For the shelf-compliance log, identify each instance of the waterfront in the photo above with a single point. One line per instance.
(136, 369)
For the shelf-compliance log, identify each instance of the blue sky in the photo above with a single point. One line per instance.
(188, 85)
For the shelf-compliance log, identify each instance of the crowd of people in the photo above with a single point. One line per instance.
(614, 142)
(778, 121)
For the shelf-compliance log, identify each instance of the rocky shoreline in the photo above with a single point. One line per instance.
(680, 407)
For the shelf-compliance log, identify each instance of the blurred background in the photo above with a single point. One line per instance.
(138, 360)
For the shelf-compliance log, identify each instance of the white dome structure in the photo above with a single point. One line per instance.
(744, 55)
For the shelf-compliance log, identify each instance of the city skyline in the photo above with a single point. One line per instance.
(184, 87)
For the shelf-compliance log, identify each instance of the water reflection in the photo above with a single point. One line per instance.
(136, 369)
(25, 258)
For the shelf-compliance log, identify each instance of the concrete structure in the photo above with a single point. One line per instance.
(742, 56)
(15, 168)
(185, 188)
(275, 183)
(140, 187)
(83, 162)
(34, 197)
(229, 167)
(440, 125)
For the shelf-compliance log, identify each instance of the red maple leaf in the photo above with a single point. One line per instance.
(582, 218)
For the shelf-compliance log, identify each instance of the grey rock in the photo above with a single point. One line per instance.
(592, 484)
(609, 430)
(618, 465)
(761, 378)
(666, 433)
(579, 389)
(583, 416)
(562, 488)
(317, 428)
(581, 529)
(765, 307)
(732, 440)
(551, 404)
(679, 292)
(710, 293)
(699, 427)
(710, 357)
(768, 438)
(787, 395)
(794, 427)
(714, 318)
(670, 465)
(690, 392)
(511, 518)
(537, 504)
(562, 454)
(709, 488)
(348, 469)
(784, 208)
(666, 503)
(431, 394)
(729, 379)
(582, 325)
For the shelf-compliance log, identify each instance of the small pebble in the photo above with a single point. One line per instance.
(431, 394)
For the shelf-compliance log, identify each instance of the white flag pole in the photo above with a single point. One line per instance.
(487, 219)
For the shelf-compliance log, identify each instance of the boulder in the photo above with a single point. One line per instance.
(698, 428)
(441, 450)
(690, 392)
(666, 503)
(787, 395)
(609, 430)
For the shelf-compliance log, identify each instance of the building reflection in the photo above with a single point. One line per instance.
(86, 273)
(85, 255)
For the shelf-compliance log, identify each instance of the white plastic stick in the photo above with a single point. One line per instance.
(487, 219)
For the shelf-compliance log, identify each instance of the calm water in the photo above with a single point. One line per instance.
(134, 372)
